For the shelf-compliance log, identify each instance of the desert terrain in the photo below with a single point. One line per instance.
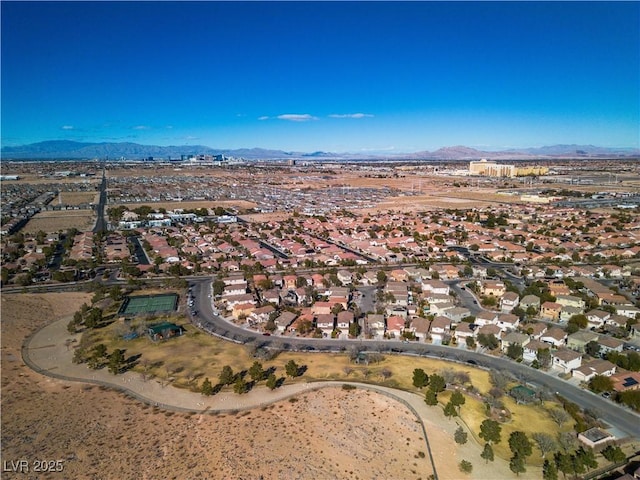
(99, 433)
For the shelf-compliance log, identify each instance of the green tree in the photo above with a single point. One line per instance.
(207, 387)
(226, 375)
(256, 372)
(457, 400)
(450, 410)
(240, 385)
(515, 351)
(614, 454)
(520, 445)
(587, 457)
(116, 359)
(291, 368)
(437, 383)
(549, 470)
(490, 431)
(544, 357)
(420, 378)
(563, 463)
(592, 348)
(272, 381)
(381, 276)
(487, 453)
(517, 465)
(601, 383)
(465, 466)
(460, 436)
(430, 397)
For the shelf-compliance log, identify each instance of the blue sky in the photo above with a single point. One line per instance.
(332, 76)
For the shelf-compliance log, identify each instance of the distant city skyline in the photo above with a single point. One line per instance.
(306, 76)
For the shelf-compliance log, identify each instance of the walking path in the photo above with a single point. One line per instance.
(49, 352)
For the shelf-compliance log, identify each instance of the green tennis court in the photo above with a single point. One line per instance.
(166, 302)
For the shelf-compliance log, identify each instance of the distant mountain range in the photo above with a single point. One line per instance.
(66, 149)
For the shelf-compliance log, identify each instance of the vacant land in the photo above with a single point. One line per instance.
(76, 198)
(55, 221)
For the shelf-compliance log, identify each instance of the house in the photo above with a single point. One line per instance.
(440, 327)
(323, 308)
(593, 368)
(261, 315)
(242, 310)
(164, 331)
(485, 317)
(420, 328)
(493, 288)
(435, 286)
(566, 360)
(609, 344)
(395, 326)
(283, 320)
(530, 350)
(568, 311)
(550, 310)
(508, 321)
(577, 341)
(271, 296)
(514, 338)
(234, 289)
(625, 381)
(571, 301)
(509, 301)
(463, 331)
(597, 318)
(530, 301)
(344, 319)
(326, 323)
(375, 325)
(554, 336)
(628, 311)
(456, 314)
(535, 330)
(345, 277)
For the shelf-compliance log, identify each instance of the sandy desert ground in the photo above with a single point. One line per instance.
(53, 221)
(99, 433)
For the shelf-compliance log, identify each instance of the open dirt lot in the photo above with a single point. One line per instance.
(76, 198)
(98, 433)
(54, 221)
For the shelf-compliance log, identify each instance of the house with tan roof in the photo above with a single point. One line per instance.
(550, 310)
(508, 321)
(596, 318)
(609, 344)
(326, 323)
(440, 328)
(578, 341)
(530, 350)
(534, 330)
(463, 331)
(486, 317)
(554, 336)
(509, 301)
(596, 367)
(375, 325)
(566, 360)
(420, 328)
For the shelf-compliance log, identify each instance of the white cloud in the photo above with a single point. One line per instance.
(297, 117)
(67, 127)
(141, 127)
(264, 117)
(350, 115)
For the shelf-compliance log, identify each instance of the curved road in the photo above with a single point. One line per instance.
(611, 413)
